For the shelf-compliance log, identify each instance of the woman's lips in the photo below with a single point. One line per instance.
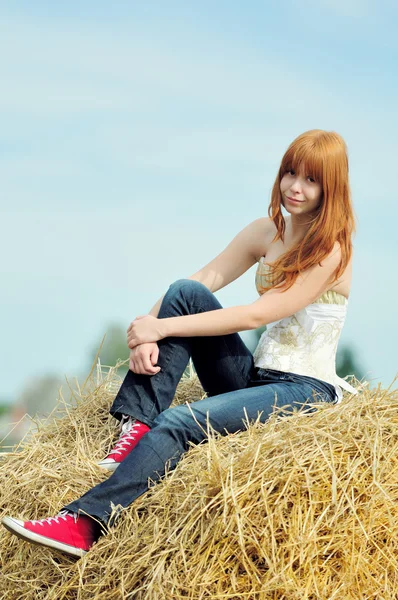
(294, 201)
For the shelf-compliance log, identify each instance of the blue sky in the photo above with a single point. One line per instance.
(136, 141)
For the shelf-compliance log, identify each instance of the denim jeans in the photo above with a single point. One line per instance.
(234, 386)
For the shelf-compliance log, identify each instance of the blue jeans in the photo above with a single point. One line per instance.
(233, 385)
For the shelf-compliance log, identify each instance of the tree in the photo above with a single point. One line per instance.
(114, 348)
(346, 363)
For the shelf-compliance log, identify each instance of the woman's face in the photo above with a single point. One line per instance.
(301, 194)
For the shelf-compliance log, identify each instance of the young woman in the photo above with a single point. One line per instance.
(303, 279)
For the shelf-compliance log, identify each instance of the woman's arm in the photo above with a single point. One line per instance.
(272, 306)
(214, 322)
(240, 254)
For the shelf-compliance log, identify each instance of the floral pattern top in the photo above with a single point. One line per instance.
(306, 342)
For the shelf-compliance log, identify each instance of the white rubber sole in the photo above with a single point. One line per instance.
(109, 466)
(15, 526)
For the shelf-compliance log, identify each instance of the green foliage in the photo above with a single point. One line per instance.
(114, 347)
(4, 409)
(346, 363)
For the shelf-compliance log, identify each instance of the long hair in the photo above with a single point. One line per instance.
(323, 155)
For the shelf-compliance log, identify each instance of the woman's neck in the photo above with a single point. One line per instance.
(295, 230)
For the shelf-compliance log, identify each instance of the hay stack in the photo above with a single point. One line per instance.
(304, 507)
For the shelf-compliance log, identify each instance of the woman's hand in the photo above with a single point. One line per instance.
(143, 359)
(144, 329)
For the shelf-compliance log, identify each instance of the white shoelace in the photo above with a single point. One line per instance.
(127, 435)
(64, 514)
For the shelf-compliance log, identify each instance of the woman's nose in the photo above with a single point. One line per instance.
(296, 186)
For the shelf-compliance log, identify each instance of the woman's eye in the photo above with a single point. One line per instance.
(291, 172)
(312, 180)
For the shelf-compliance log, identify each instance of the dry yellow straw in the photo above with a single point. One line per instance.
(304, 507)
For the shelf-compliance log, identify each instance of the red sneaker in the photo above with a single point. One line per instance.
(66, 532)
(132, 432)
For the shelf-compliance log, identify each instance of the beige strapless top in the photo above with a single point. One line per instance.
(305, 342)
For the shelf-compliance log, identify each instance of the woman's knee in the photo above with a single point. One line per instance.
(192, 294)
(189, 285)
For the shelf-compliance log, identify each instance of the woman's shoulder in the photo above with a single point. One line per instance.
(265, 232)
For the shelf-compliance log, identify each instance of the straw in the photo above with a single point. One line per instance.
(302, 507)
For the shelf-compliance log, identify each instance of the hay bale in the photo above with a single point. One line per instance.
(303, 507)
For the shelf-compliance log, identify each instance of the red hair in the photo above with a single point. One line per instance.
(323, 156)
